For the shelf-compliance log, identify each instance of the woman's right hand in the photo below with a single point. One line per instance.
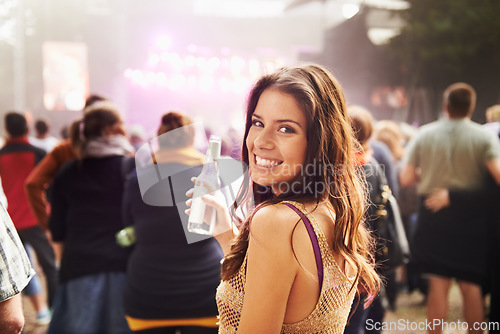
(216, 200)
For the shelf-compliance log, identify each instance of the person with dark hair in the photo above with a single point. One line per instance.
(17, 159)
(85, 216)
(42, 138)
(170, 284)
(296, 263)
(457, 154)
(93, 99)
(42, 176)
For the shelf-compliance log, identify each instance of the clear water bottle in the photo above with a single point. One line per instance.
(202, 217)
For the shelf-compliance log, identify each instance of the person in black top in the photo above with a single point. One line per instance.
(171, 280)
(85, 216)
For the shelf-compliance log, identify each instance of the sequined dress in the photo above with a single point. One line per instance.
(334, 303)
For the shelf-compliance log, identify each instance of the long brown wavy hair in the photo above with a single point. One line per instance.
(330, 149)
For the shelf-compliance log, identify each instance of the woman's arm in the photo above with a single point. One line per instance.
(270, 273)
(42, 176)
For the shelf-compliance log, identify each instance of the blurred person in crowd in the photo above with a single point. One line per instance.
(296, 263)
(15, 273)
(383, 155)
(170, 284)
(40, 179)
(390, 133)
(136, 136)
(86, 214)
(17, 159)
(457, 154)
(42, 138)
(64, 132)
(362, 124)
(483, 200)
(493, 119)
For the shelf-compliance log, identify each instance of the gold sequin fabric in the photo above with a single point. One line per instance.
(328, 317)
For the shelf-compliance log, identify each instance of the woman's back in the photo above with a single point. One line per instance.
(316, 267)
(167, 277)
(87, 214)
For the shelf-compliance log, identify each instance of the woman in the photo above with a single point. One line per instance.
(299, 147)
(170, 284)
(85, 216)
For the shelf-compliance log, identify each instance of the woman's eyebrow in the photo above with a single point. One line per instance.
(288, 120)
(279, 120)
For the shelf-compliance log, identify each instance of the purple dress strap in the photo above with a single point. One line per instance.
(314, 241)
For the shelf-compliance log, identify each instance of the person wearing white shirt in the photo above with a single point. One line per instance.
(42, 138)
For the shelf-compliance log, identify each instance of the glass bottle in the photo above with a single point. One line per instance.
(202, 217)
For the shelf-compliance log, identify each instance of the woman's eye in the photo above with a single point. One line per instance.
(286, 129)
(257, 123)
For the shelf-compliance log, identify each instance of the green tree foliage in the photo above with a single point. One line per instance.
(451, 40)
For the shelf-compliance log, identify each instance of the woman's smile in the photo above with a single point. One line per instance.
(266, 162)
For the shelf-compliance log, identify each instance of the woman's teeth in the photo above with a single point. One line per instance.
(261, 162)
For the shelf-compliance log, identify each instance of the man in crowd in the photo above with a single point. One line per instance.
(17, 159)
(454, 154)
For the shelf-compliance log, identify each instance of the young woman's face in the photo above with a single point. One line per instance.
(276, 140)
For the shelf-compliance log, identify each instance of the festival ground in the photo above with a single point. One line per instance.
(410, 313)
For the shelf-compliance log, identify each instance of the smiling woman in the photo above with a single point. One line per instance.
(295, 265)
(276, 140)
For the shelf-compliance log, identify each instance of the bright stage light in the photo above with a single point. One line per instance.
(237, 65)
(137, 77)
(206, 83)
(154, 59)
(190, 61)
(177, 82)
(176, 61)
(213, 63)
(254, 68)
(161, 79)
(224, 85)
(163, 42)
(192, 81)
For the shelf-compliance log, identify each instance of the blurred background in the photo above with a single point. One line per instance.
(202, 56)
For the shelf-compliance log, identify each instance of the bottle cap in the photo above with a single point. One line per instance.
(214, 146)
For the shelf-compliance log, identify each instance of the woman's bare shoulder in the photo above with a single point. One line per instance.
(274, 222)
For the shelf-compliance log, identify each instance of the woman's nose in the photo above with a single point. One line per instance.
(264, 140)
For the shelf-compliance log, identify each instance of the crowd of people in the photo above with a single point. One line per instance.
(297, 252)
